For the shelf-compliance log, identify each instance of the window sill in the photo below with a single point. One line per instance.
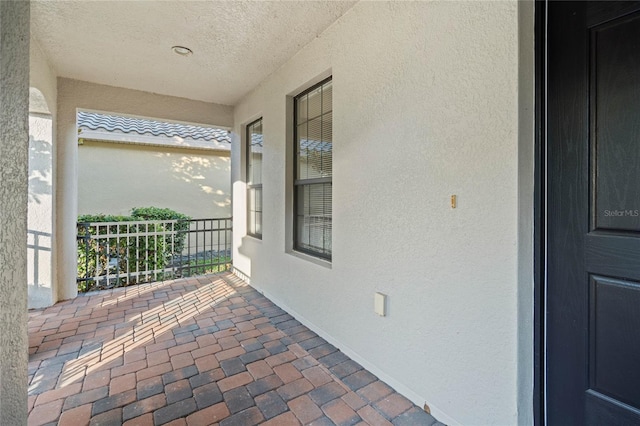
(318, 261)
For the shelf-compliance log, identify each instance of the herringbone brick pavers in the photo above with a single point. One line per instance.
(197, 351)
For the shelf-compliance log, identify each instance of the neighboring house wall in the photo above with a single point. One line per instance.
(114, 177)
(14, 158)
(74, 95)
(425, 105)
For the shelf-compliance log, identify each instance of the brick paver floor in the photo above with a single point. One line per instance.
(197, 351)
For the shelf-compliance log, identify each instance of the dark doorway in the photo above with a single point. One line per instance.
(592, 197)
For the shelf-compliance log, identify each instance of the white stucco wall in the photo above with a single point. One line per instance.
(41, 236)
(191, 181)
(42, 77)
(40, 211)
(74, 95)
(14, 155)
(425, 106)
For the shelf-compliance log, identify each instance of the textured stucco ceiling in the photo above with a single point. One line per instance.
(236, 44)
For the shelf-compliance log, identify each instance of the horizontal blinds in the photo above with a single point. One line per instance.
(314, 217)
(314, 170)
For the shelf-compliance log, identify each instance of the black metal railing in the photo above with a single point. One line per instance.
(117, 254)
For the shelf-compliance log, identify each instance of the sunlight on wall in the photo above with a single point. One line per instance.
(190, 181)
(241, 252)
(40, 204)
(191, 168)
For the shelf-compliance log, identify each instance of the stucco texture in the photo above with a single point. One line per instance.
(114, 178)
(425, 105)
(236, 44)
(14, 102)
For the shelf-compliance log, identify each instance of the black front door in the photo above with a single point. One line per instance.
(593, 214)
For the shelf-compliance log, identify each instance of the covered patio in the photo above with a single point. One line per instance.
(404, 254)
(196, 351)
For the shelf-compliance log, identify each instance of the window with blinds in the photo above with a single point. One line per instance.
(254, 178)
(313, 133)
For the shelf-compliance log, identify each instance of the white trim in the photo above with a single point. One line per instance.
(310, 258)
(238, 273)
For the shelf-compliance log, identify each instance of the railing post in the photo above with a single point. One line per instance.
(126, 252)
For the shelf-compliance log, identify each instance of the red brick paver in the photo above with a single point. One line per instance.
(196, 351)
(76, 416)
(305, 409)
(46, 413)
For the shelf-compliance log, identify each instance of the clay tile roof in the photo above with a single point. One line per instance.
(114, 123)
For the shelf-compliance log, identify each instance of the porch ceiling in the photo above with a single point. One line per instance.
(236, 44)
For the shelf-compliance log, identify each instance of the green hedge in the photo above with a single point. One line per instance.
(157, 213)
(133, 253)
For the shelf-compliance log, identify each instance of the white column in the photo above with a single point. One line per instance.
(66, 193)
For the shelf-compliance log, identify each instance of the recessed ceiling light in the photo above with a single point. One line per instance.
(182, 51)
